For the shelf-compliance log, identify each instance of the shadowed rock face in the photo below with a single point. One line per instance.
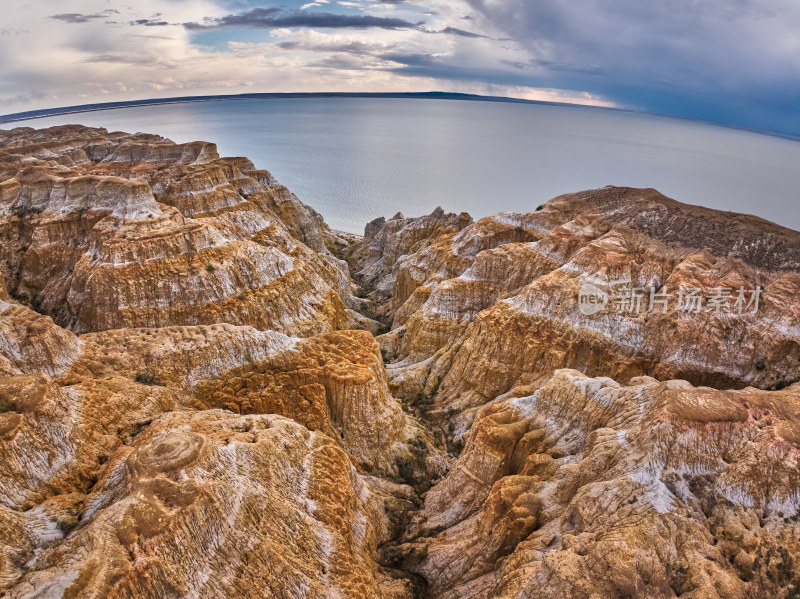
(185, 410)
(379, 256)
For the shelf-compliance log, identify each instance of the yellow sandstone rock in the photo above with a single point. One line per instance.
(187, 410)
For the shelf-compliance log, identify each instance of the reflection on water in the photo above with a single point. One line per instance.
(354, 159)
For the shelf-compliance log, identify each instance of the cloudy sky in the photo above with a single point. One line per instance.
(734, 61)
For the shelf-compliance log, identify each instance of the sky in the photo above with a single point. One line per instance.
(731, 61)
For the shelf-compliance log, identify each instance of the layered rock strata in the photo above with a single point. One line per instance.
(497, 304)
(106, 231)
(588, 488)
(185, 460)
(186, 410)
(634, 483)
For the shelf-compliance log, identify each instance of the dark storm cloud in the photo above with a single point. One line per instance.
(341, 63)
(416, 60)
(354, 47)
(430, 65)
(148, 23)
(74, 17)
(357, 47)
(698, 58)
(269, 18)
(251, 18)
(461, 32)
(552, 65)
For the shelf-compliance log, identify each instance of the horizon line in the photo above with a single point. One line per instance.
(431, 95)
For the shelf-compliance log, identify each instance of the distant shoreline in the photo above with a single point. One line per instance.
(82, 108)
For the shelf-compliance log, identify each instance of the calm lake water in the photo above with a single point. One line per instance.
(354, 159)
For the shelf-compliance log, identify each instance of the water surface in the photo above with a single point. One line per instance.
(354, 159)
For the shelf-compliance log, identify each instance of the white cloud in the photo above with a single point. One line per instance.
(46, 62)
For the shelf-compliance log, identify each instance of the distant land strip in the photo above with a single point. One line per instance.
(47, 112)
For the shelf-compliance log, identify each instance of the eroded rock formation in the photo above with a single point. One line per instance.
(105, 231)
(161, 462)
(588, 488)
(190, 405)
(497, 304)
